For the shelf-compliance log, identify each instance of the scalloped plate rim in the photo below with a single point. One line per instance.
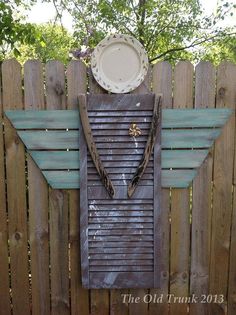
(102, 80)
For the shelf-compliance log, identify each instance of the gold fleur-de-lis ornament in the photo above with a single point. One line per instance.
(134, 130)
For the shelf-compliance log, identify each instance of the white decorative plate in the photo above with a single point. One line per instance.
(119, 63)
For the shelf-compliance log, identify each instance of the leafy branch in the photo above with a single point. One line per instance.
(196, 42)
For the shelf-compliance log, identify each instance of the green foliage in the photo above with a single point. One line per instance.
(222, 49)
(167, 29)
(13, 28)
(53, 42)
(26, 40)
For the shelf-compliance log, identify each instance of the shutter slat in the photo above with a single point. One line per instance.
(120, 231)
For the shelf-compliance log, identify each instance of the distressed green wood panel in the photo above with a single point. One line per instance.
(70, 180)
(62, 179)
(191, 118)
(61, 160)
(63, 139)
(189, 138)
(172, 118)
(53, 140)
(56, 160)
(44, 119)
(182, 158)
(177, 178)
(50, 140)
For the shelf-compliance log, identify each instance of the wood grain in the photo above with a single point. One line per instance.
(202, 189)
(64, 160)
(222, 189)
(50, 140)
(232, 282)
(38, 200)
(92, 146)
(162, 83)
(151, 142)
(171, 118)
(232, 273)
(176, 139)
(76, 81)
(4, 268)
(99, 299)
(58, 205)
(55, 85)
(16, 191)
(141, 308)
(180, 202)
(84, 244)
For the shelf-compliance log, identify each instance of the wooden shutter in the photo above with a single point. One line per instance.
(119, 236)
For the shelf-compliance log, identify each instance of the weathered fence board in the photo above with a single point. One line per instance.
(99, 299)
(58, 205)
(162, 83)
(16, 191)
(38, 201)
(141, 309)
(5, 304)
(202, 194)
(76, 81)
(232, 272)
(222, 189)
(180, 202)
(232, 269)
(27, 265)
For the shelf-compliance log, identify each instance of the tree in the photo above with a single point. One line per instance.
(13, 28)
(167, 29)
(53, 42)
(222, 49)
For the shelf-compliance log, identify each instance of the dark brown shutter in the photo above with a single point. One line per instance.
(119, 236)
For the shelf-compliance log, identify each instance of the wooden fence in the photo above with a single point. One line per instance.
(39, 227)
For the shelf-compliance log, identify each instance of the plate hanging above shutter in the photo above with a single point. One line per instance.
(119, 63)
(119, 235)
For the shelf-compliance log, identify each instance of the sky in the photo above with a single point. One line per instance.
(44, 12)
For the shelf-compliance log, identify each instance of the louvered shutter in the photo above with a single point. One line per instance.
(119, 236)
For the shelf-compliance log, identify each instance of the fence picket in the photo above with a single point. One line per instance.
(141, 308)
(38, 200)
(58, 205)
(16, 191)
(180, 202)
(232, 270)
(162, 83)
(100, 301)
(222, 189)
(76, 83)
(213, 237)
(201, 209)
(5, 304)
